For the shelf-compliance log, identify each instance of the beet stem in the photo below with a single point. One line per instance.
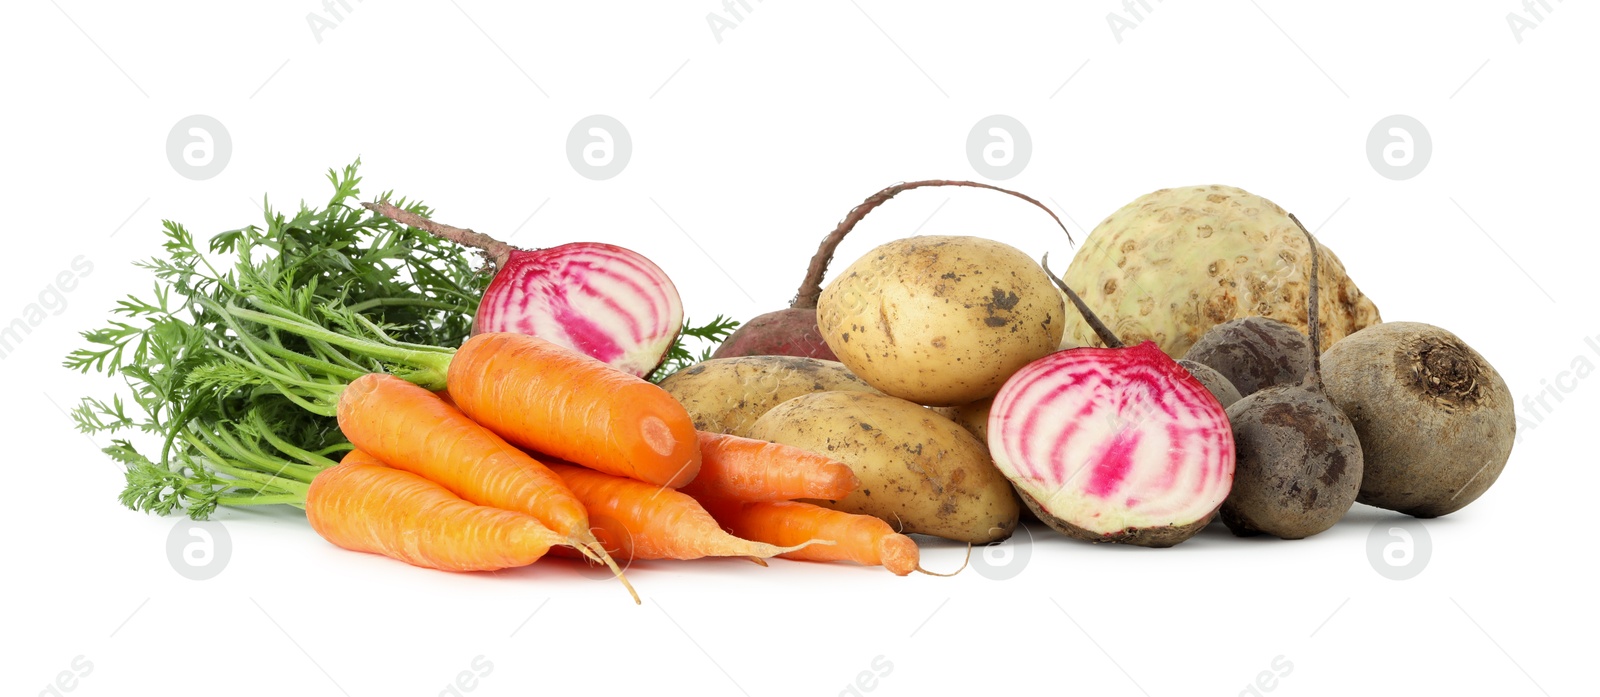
(811, 286)
(498, 252)
(1314, 376)
(1107, 337)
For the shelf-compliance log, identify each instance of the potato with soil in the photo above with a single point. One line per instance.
(1176, 262)
(919, 471)
(941, 320)
(1435, 419)
(727, 395)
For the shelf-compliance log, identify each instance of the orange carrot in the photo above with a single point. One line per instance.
(362, 505)
(858, 538)
(553, 400)
(636, 520)
(409, 428)
(745, 469)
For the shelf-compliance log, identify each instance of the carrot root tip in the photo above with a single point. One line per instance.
(964, 564)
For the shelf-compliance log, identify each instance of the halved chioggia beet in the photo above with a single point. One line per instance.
(599, 299)
(1116, 444)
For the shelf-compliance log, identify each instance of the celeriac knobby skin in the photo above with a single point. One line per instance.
(1299, 464)
(1175, 262)
(941, 320)
(1434, 418)
(918, 471)
(1114, 445)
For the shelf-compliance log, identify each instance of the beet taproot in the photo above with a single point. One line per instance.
(1299, 462)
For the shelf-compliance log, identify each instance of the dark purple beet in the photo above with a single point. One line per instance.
(793, 331)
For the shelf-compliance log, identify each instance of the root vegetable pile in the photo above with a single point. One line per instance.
(349, 360)
(1116, 444)
(1299, 464)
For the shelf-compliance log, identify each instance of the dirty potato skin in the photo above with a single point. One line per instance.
(919, 471)
(1435, 419)
(727, 395)
(1176, 262)
(941, 320)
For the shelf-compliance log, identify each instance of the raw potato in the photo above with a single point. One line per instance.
(974, 417)
(919, 471)
(1176, 262)
(727, 395)
(941, 320)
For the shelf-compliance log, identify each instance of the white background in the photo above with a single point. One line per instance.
(745, 151)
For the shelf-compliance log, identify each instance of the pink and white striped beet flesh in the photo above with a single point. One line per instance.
(599, 299)
(1114, 445)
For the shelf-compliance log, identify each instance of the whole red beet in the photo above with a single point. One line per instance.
(793, 331)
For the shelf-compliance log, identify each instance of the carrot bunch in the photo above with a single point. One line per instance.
(749, 486)
(453, 473)
(314, 370)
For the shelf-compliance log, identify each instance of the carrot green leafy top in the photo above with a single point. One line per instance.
(240, 409)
